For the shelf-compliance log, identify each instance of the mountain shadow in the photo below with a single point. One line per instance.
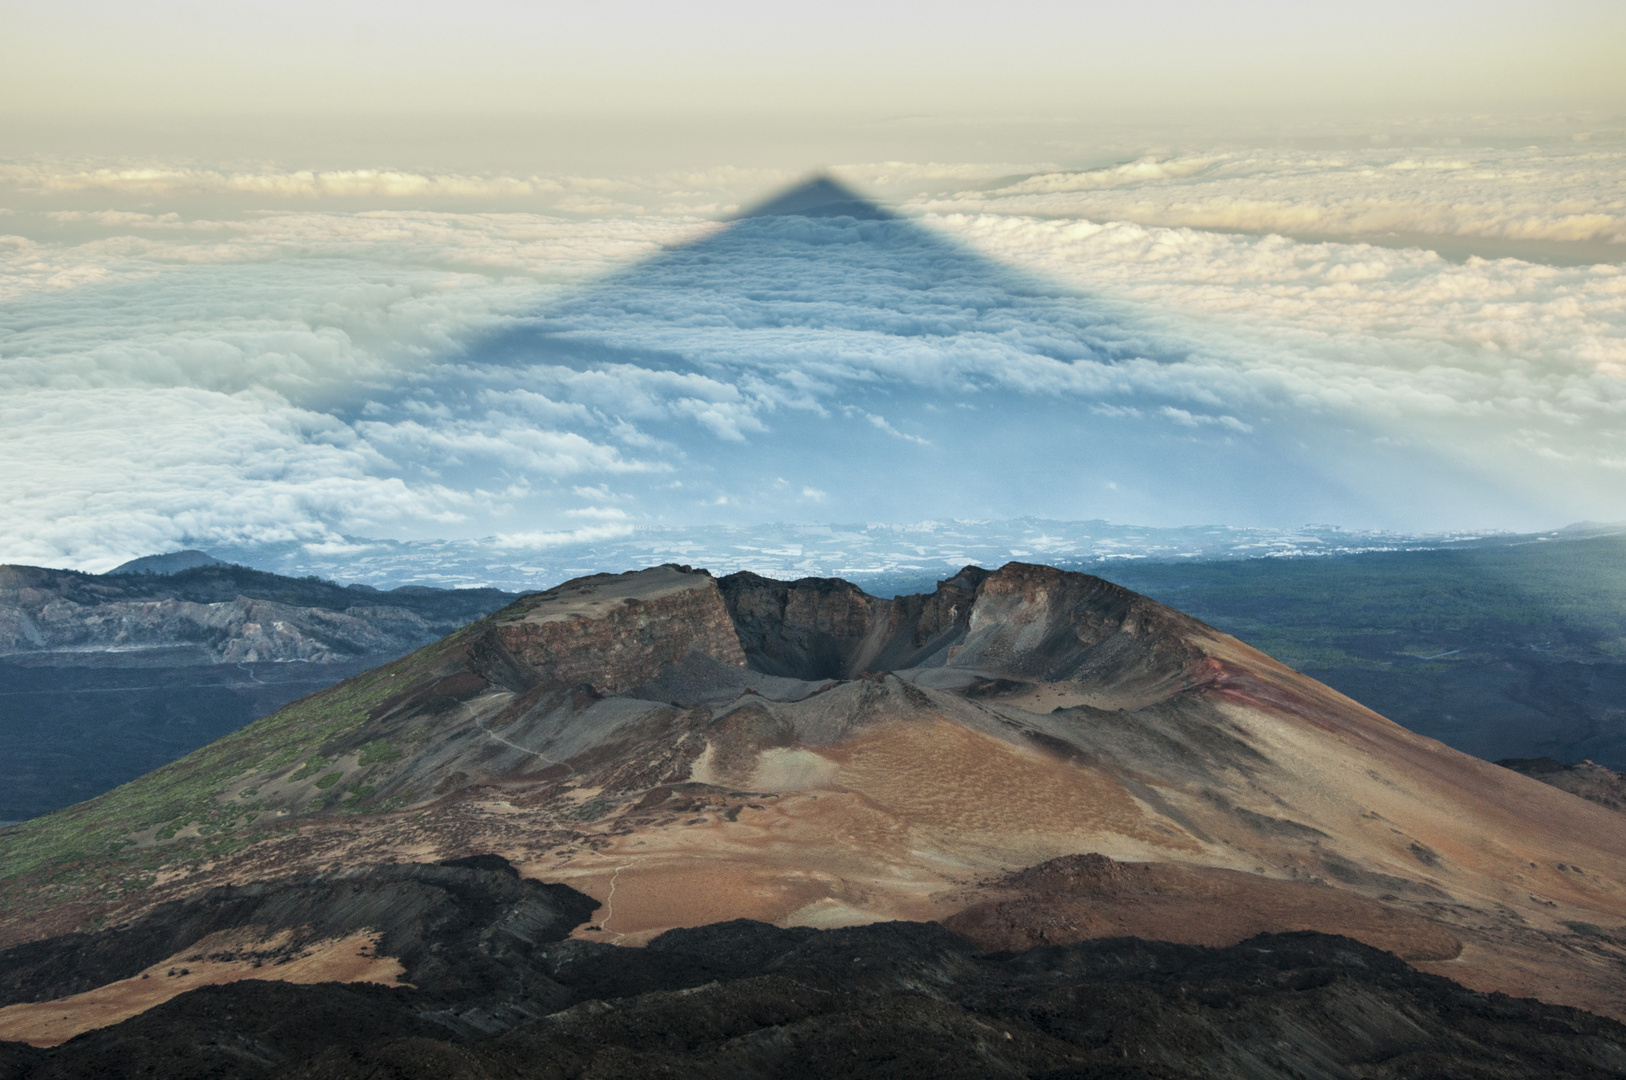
(819, 347)
(818, 197)
(816, 257)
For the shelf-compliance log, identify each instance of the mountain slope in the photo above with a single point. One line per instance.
(106, 677)
(688, 750)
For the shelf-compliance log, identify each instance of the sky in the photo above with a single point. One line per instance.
(643, 57)
(297, 273)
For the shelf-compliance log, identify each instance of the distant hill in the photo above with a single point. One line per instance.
(1601, 785)
(166, 564)
(220, 613)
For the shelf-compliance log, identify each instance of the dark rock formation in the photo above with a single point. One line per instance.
(1595, 783)
(746, 999)
(1080, 897)
(826, 628)
(454, 926)
(615, 631)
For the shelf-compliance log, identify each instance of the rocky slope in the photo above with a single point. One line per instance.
(106, 677)
(688, 751)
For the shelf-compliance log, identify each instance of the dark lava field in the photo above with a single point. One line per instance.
(498, 992)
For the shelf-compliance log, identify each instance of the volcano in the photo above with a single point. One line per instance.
(1032, 758)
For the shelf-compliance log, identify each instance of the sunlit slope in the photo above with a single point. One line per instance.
(191, 810)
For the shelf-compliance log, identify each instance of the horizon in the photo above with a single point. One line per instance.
(870, 552)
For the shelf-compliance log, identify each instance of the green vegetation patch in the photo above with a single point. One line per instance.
(89, 841)
(309, 769)
(329, 780)
(379, 751)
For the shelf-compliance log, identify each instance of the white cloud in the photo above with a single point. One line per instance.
(301, 374)
(531, 450)
(304, 184)
(116, 218)
(559, 538)
(1565, 194)
(880, 422)
(92, 475)
(1410, 334)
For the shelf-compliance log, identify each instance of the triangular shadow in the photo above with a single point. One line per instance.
(819, 349)
(819, 196)
(816, 257)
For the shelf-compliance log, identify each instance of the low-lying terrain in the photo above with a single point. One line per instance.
(70, 732)
(1507, 650)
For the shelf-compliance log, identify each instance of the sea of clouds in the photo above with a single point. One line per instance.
(230, 357)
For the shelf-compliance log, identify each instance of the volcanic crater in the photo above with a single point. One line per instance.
(1030, 756)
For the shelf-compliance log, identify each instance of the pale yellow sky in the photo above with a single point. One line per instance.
(846, 57)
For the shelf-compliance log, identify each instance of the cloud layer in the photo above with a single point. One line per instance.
(1569, 194)
(1068, 345)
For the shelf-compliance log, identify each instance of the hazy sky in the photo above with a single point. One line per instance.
(642, 56)
(296, 271)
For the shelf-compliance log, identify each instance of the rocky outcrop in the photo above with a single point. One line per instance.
(1593, 782)
(826, 628)
(807, 629)
(450, 924)
(1080, 897)
(241, 630)
(613, 632)
(1053, 625)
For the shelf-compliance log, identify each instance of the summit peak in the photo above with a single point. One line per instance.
(819, 196)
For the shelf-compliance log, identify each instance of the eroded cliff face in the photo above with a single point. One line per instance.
(241, 630)
(826, 628)
(614, 632)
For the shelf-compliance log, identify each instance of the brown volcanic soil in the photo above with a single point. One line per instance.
(686, 750)
(1090, 896)
(226, 957)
